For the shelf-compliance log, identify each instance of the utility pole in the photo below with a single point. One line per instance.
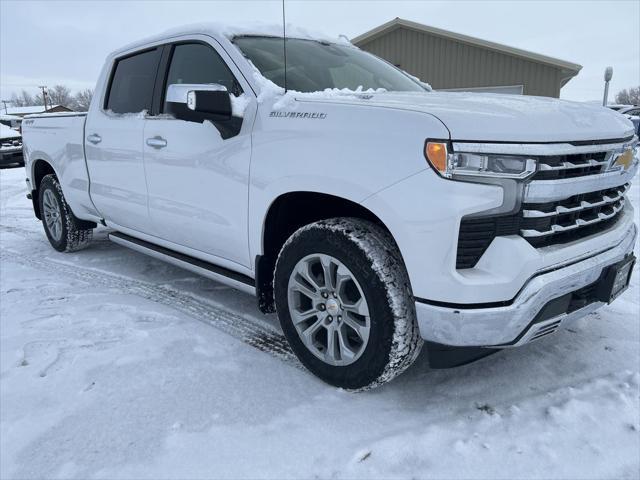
(44, 95)
(5, 105)
(608, 73)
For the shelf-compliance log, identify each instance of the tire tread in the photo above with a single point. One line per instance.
(386, 262)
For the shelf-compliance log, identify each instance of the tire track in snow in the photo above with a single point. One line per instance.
(258, 336)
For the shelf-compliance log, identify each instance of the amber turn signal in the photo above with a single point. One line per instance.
(436, 153)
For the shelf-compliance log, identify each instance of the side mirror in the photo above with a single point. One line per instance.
(195, 102)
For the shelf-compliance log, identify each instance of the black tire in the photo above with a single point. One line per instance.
(74, 233)
(370, 253)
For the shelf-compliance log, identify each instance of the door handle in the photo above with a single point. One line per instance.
(157, 142)
(94, 138)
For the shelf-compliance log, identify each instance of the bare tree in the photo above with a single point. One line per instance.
(82, 100)
(23, 99)
(60, 95)
(629, 96)
(57, 95)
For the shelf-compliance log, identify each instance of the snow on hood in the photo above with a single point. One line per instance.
(493, 117)
(6, 132)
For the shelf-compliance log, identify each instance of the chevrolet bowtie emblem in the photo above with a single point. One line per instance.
(623, 160)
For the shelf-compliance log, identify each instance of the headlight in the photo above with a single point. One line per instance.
(452, 165)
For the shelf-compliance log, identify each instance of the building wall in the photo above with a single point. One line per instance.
(449, 64)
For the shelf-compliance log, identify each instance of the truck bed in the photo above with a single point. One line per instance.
(58, 139)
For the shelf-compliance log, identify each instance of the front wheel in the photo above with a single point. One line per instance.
(65, 232)
(345, 304)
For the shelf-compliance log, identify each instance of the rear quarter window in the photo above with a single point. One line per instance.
(132, 81)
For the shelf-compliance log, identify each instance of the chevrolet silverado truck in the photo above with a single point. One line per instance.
(372, 214)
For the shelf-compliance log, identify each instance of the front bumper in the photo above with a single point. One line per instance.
(512, 324)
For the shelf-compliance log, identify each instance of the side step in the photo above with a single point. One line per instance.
(219, 274)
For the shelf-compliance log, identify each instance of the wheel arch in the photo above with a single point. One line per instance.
(287, 213)
(39, 169)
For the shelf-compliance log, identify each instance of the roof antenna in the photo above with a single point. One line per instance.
(284, 46)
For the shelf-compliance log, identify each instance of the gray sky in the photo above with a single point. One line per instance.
(66, 41)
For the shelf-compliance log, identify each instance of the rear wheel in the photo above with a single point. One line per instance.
(65, 232)
(345, 303)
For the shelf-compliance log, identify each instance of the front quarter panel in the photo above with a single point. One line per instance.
(349, 151)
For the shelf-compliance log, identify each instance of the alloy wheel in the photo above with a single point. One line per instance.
(328, 309)
(52, 214)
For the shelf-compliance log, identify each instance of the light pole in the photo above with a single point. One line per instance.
(608, 73)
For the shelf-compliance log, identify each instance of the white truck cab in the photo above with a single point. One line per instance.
(371, 213)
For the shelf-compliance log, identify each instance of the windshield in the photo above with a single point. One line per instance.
(313, 65)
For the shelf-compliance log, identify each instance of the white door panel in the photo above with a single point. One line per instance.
(198, 187)
(113, 141)
(116, 169)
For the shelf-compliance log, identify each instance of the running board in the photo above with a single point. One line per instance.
(219, 274)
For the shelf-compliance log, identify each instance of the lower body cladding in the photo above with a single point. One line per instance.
(548, 301)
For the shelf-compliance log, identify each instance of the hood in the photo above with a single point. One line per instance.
(487, 117)
(6, 132)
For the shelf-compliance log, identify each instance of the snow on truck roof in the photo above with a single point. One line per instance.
(218, 30)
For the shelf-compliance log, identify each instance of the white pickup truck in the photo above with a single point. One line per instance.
(369, 212)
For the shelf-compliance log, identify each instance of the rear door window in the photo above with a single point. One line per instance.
(131, 89)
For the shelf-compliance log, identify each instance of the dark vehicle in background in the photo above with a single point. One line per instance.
(11, 147)
(633, 114)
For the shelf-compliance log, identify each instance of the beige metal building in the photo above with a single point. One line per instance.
(451, 61)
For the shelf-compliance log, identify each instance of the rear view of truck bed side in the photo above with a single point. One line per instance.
(54, 144)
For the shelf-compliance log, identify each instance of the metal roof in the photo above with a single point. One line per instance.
(27, 110)
(399, 22)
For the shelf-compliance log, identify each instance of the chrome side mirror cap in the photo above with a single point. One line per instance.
(186, 92)
(206, 99)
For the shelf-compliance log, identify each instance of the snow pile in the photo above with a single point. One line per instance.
(257, 28)
(529, 439)
(288, 98)
(269, 90)
(239, 104)
(141, 114)
(413, 77)
(8, 132)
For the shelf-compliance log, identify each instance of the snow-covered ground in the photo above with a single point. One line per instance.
(114, 365)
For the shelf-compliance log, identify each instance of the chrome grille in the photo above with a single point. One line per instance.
(567, 166)
(573, 213)
(577, 191)
(543, 224)
(596, 199)
(577, 223)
